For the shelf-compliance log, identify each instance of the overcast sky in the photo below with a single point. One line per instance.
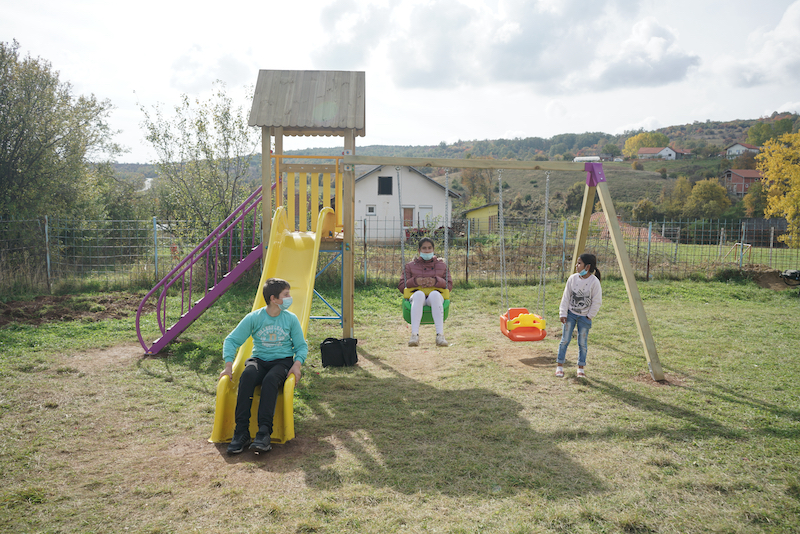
(436, 70)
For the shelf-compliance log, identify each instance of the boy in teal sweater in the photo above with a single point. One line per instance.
(279, 348)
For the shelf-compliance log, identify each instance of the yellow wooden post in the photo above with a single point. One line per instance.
(314, 199)
(596, 178)
(583, 223)
(348, 205)
(302, 208)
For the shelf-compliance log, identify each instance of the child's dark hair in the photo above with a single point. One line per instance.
(425, 240)
(274, 287)
(591, 259)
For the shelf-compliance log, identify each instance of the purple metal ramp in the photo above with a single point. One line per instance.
(210, 269)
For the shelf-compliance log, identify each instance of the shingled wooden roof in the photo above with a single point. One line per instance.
(309, 102)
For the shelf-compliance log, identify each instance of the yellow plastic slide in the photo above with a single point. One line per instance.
(293, 257)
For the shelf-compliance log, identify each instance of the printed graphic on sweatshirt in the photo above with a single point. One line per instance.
(580, 301)
(271, 335)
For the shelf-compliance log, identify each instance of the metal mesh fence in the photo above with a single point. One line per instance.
(35, 254)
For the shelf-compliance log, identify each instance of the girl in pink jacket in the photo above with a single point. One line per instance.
(426, 270)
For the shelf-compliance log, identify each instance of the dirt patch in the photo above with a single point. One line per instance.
(767, 278)
(669, 380)
(48, 308)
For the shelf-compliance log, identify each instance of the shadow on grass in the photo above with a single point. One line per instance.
(412, 437)
(695, 423)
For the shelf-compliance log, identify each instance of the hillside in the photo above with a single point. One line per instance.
(627, 186)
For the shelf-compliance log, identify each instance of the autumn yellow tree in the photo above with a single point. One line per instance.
(707, 199)
(673, 199)
(642, 140)
(779, 163)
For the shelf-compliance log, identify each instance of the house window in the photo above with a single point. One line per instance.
(384, 185)
(425, 214)
(408, 217)
(371, 210)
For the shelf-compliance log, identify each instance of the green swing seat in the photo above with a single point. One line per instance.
(427, 318)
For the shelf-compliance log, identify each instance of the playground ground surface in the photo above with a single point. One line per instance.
(476, 437)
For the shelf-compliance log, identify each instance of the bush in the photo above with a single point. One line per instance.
(637, 166)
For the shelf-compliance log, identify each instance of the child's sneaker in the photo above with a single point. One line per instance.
(414, 341)
(581, 374)
(441, 341)
(559, 372)
(239, 442)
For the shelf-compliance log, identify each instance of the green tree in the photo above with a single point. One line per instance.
(204, 153)
(574, 199)
(747, 160)
(755, 201)
(760, 133)
(779, 163)
(611, 149)
(643, 140)
(673, 197)
(482, 182)
(644, 210)
(708, 199)
(47, 137)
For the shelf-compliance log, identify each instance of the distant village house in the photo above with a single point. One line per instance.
(737, 149)
(379, 203)
(483, 219)
(667, 153)
(738, 181)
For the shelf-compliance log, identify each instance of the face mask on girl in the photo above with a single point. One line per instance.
(285, 304)
(583, 272)
(427, 256)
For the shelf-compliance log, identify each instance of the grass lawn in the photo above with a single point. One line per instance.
(477, 437)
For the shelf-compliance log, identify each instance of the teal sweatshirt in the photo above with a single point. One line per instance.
(273, 337)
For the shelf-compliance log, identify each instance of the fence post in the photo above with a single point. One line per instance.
(155, 245)
(564, 251)
(677, 241)
(741, 246)
(47, 251)
(364, 236)
(649, 239)
(466, 263)
(771, 238)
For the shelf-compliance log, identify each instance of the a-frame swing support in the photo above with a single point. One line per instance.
(595, 183)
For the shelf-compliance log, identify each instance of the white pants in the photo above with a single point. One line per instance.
(436, 301)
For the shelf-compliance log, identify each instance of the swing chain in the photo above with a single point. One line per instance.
(402, 228)
(543, 264)
(503, 289)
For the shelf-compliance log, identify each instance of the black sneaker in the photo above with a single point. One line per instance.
(261, 443)
(239, 442)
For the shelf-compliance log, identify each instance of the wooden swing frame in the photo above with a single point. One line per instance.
(596, 186)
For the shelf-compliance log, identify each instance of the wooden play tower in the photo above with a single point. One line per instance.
(312, 103)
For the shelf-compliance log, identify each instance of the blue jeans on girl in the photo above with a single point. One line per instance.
(584, 325)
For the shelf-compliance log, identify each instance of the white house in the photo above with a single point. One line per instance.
(657, 153)
(737, 149)
(421, 200)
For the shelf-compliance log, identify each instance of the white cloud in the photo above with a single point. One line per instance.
(774, 55)
(197, 69)
(649, 57)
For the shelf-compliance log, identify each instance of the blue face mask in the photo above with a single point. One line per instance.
(583, 272)
(427, 256)
(285, 304)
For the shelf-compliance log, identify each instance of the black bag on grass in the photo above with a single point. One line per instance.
(338, 352)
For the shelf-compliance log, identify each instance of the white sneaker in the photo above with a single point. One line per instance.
(441, 341)
(414, 341)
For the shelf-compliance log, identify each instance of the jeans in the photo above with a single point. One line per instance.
(584, 325)
(270, 376)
